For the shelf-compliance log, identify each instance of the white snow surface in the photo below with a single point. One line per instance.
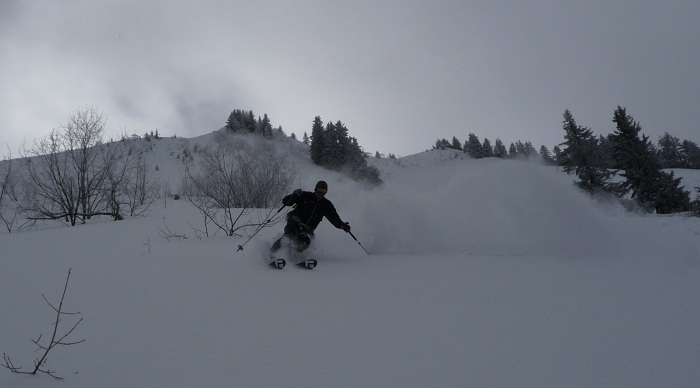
(482, 273)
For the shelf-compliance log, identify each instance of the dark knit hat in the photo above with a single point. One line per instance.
(321, 185)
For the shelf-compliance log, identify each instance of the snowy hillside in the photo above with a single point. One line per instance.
(483, 273)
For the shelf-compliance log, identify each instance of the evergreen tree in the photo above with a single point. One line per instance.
(488, 150)
(606, 152)
(241, 120)
(473, 147)
(669, 151)
(336, 152)
(581, 156)
(631, 154)
(305, 139)
(520, 148)
(635, 156)
(546, 155)
(669, 194)
(266, 127)
(333, 148)
(690, 154)
(233, 124)
(530, 151)
(512, 151)
(499, 149)
(456, 144)
(557, 155)
(442, 144)
(318, 141)
(250, 122)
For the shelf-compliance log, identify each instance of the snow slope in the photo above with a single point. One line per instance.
(484, 273)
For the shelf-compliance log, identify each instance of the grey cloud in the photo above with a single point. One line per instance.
(399, 73)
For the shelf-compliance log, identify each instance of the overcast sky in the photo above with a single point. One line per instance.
(399, 74)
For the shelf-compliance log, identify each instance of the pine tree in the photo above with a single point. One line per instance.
(636, 157)
(233, 123)
(669, 194)
(318, 141)
(581, 156)
(473, 147)
(557, 155)
(456, 143)
(605, 148)
(305, 139)
(690, 154)
(442, 144)
(499, 150)
(250, 122)
(546, 155)
(266, 127)
(631, 155)
(488, 150)
(335, 153)
(241, 120)
(530, 151)
(669, 151)
(333, 148)
(512, 151)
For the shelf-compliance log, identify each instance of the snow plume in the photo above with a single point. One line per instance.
(492, 207)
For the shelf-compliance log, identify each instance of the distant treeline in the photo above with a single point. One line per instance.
(331, 146)
(670, 150)
(597, 160)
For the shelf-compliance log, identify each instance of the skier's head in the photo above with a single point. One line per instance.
(321, 188)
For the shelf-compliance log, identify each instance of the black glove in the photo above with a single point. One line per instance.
(346, 227)
(289, 200)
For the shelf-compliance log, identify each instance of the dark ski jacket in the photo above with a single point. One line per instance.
(311, 210)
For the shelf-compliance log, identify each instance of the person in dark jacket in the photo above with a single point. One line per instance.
(309, 210)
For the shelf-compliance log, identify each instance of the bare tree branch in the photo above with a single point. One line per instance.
(231, 184)
(56, 339)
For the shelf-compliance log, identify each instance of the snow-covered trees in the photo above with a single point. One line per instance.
(499, 150)
(245, 121)
(318, 142)
(635, 157)
(240, 120)
(333, 148)
(473, 147)
(582, 156)
(624, 151)
(674, 153)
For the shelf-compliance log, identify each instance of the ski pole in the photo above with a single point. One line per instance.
(259, 228)
(355, 238)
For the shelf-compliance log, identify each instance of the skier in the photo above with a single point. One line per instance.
(309, 211)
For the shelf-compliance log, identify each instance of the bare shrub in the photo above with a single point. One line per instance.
(56, 339)
(73, 176)
(9, 194)
(230, 185)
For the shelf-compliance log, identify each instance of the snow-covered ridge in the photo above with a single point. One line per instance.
(483, 273)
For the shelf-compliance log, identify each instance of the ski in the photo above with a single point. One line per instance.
(278, 263)
(308, 264)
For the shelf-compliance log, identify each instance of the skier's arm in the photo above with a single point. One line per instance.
(292, 198)
(334, 219)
